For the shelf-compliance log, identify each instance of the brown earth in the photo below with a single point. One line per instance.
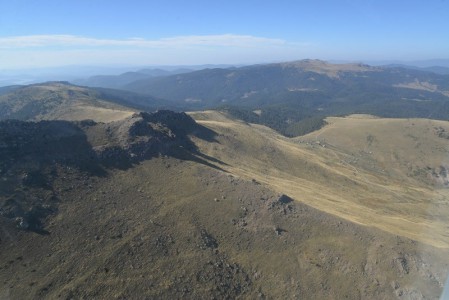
(206, 219)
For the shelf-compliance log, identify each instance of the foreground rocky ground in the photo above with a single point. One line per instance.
(123, 221)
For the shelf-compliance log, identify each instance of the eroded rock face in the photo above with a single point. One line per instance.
(35, 154)
(142, 136)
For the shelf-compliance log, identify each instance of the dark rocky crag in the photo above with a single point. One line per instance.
(34, 154)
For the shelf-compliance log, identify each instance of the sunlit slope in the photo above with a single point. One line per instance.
(409, 149)
(59, 101)
(340, 179)
(131, 209)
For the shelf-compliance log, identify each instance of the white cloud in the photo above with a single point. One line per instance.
(35, 51)
(224, 40)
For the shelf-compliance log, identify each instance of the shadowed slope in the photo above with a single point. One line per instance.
(168, 228)
(34, 155)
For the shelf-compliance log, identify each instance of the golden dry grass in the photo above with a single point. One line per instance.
(340, 169)
(99, 114)
(59, 101)
(331, 70)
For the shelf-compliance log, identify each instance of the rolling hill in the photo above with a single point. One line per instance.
(396, 182)
(121, 80)
(99, 200)
(291, 82)
(112, 81)
(63, 101)
(285, 94)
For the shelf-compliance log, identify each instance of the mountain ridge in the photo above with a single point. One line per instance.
(62, 100)
(287, 94)
(114, 227)
(293, 97)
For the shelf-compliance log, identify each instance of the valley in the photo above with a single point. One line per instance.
(224, 150)
(103, 195)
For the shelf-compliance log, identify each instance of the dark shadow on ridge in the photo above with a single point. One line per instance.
(35, 154)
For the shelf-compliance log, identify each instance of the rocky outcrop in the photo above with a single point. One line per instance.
(34, 154)
(142, 136)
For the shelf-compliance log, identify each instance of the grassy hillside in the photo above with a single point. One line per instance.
(60, 100)
(171, 225)
(155, 205)
(406, 148)
(132, 235)
(407, 198)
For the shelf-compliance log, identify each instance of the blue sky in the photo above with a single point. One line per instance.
(48, 33)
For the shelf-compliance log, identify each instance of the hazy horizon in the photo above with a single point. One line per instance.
(121, 66)
(49, 34)
(78, 72)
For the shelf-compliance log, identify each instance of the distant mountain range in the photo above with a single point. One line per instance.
(100, 200)
(292, 98)
(434, 69)
(414, 63)
(258, 84)
(284, 94)
(82, 74)
(120, 81)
